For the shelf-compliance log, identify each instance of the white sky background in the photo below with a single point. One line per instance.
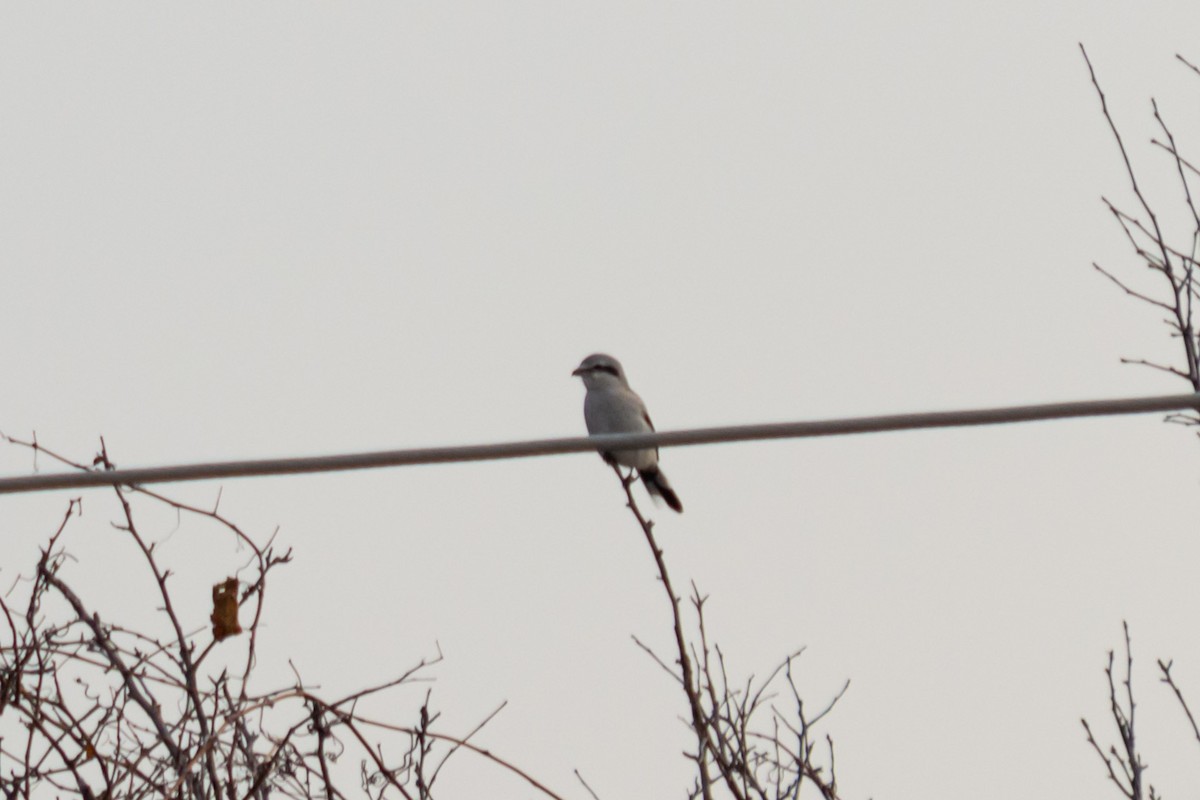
(284, 229)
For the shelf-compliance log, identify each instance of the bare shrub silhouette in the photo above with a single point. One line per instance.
(754, 739)
(1175, 293)
(109, 711)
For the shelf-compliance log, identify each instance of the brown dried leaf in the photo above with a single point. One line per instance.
(225, 609)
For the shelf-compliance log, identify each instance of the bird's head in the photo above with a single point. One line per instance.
(600, 371)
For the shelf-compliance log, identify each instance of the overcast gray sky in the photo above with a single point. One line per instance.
(251, 230)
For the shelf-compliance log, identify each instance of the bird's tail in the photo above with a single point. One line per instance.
(658, 486)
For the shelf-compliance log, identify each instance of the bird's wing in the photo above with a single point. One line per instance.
(646, 416)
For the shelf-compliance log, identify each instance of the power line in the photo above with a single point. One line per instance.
(579, 444)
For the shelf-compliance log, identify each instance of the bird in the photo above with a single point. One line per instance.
(610, 406)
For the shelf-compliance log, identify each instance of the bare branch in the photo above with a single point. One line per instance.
(1169, 680)
(749, 762)
(1176, 265)
(1124, 766)
(1125, 288)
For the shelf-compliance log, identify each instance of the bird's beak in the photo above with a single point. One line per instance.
(577, 371)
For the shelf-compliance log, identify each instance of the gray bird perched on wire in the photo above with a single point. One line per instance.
(612, 407)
